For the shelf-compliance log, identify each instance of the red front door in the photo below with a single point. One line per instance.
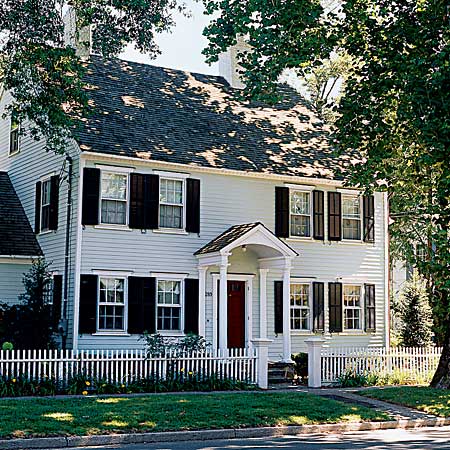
(236, 314)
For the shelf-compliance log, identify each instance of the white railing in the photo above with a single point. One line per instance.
(413, 362)
(124, 366)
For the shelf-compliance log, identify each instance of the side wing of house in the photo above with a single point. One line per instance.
(299, 258)
(40, 180)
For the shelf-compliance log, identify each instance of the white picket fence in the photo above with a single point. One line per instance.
(124, 366)
(413, 362)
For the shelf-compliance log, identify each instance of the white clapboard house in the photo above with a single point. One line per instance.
(179, 208)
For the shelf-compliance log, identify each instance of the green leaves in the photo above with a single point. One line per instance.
(44, 74)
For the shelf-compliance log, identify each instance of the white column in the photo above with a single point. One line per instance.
(315, 345)
(201, 300)
(286, 313)
(223, 304)
(262, 346)
(263, 303)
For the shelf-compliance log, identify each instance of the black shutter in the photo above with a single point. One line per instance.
(88, 303)
(335, 306)
(369, 218)
(37, 208)
(192, 205)
(141, 305)
(370, 307)
(144, 201)
(282, 211)
(278, 285)
(318, 307)
(54, 203)
(91, 196)
(318, 215)
(57, 300)
(152, 201)
(191, 306)
(334, 216)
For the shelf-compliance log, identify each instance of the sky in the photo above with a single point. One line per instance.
(181, 49)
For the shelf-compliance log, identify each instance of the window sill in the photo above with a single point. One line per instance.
(302, 239)
(351, 242)
(43, 233)
(111, 333)
(10, 155)
(302, 333)
(171, 231)
(174, 334)
(352, 333)
(113, 227)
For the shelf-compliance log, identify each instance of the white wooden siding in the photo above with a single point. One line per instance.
(11, 275)
(226, 201)
(25, 169)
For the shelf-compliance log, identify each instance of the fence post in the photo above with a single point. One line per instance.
(315, 345)
(262, 348)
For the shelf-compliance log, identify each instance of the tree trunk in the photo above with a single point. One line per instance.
(441, 378)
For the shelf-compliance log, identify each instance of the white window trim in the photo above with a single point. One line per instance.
(307, 190)
(181, 230)
(171, 277)
(115, 226)
(361, 218)
(115, 169)
(43, 180)
(348, 331)
(174, 175)
(9, 138)
(103, 332)
(310, 299)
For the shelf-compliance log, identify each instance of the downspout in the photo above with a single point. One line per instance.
(387, 273)
(63, 324)
(79, 235)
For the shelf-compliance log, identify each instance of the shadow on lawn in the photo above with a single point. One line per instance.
(171, 413)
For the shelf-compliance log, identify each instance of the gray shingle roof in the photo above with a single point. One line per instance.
(160, 114)
(16, 235)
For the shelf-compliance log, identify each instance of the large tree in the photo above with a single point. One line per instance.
(44, 73)
(395, 112)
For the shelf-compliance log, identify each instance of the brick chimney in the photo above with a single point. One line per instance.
(229, 66)
(81, 41)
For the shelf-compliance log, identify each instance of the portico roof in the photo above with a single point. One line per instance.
(256, 232)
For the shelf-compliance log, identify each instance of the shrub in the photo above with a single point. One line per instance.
(351, 378)
(157, 345)
(301, 364)
(415, 314)
(7, 346)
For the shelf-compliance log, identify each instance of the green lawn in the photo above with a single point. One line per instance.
(434, 401)
(85, 416)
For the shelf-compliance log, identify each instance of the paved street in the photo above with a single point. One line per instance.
(425, 438)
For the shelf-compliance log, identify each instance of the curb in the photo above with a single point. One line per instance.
(205, 435)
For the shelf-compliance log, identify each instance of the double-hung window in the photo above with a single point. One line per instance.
(14, 136)
(111, 304)
(351, 217)
(352, 307)
(45, 205)
(171, 203)
(169, 305)
(300, 213)
(114, 188)
(300, 307)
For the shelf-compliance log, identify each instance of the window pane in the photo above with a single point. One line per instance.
(300, 203)
(114, 212)
(169, 318)
(300, 226)
(170, 216)
(351, 229)
(45, 217)
(351, 207)
(114, 186)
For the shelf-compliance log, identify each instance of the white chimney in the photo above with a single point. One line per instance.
(228, 63)
(81, 41)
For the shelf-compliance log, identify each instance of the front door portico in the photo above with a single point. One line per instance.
(271, 254)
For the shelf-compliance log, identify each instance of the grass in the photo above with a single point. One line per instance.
(89, 416)
(433, 401)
